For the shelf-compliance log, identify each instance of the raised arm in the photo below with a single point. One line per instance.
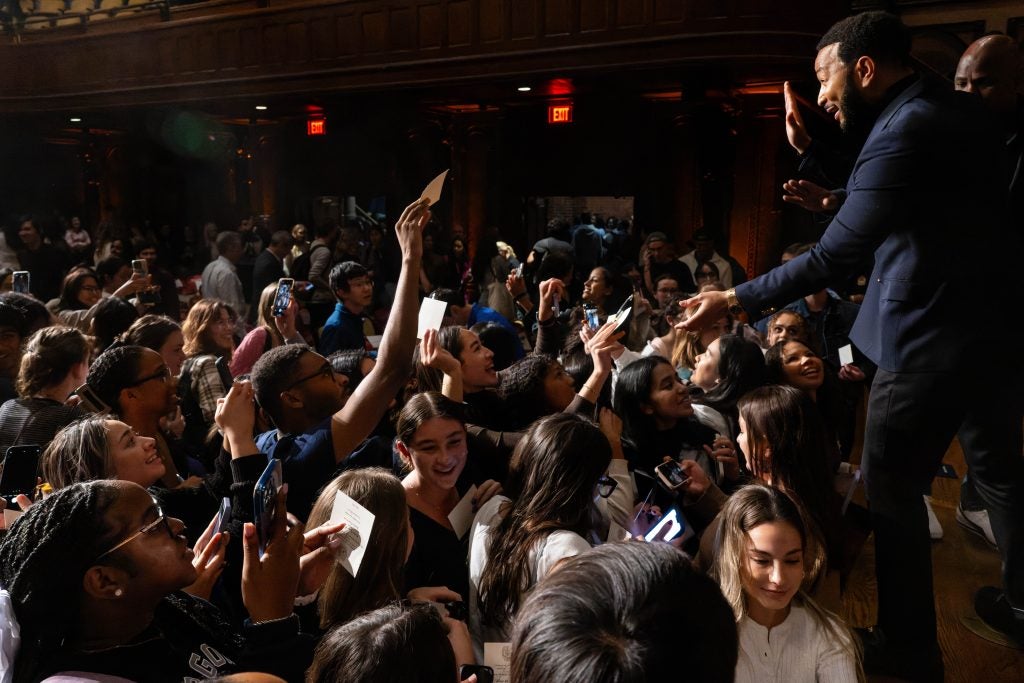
(364, 409)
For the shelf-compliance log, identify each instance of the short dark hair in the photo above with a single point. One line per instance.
(879, 35)
(28, 315)
(618, 612)
(349, 362)
(107, 268)
(12, 317)
(342, 272)
(271, 375)
(392, 643)
(281, 238)
(449, 296)
(112, 318)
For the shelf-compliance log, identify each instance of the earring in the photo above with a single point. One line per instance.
(119, 592)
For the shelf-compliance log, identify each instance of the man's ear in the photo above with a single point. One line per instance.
(290, 400)
(104, 582)
(864, 71)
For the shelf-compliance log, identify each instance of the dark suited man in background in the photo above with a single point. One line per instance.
(269, 267)
(922, 322)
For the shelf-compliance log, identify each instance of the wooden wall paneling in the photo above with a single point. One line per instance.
(491, 21)
(560, 19)
(428, 26)
(374, 31)
(594, 15)
(165, 52)
(460, 23)
(347, 31)
(273, 45)
(523, 19)
(206, 48)
(249, 42)
(186, 54)
(297, 42)
(228, 49)
(402, 26)
(631, 13)
(754, 224)
(322, 38)
(666, 11)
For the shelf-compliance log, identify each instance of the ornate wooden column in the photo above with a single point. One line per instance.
(472, 139)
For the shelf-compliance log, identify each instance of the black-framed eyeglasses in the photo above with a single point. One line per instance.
(605, 486)
(163, 373)
(161, 519)
(325, 371)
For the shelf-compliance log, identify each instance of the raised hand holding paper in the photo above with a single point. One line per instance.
(845, 354)
(356, 534)
(431, 315)
(461, 515)
(433, 191)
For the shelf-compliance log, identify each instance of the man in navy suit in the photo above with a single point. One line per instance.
(927, 174)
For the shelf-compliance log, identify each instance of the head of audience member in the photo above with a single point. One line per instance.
(6, 279)
(300, 233)
(703, 247)
(113, 316)
(230, 246)
(458, 310)
(376, 234)
(100, 448)
(552, 480)
(534, 386)
(632, 275)
(163, 335)
(731, 366)
(135, 382)
(791, 252)
(555, 264)
(666, 288)
(599, 287)
(112, 272)
(352, 285)
(77, 560)
(391, 643)
(858, 60)
(502, 343)
(29, 233)
(794, 363)
(379, 580)
(327, 232)
(80, 290)
(659, 249)
(280, 243)
(54, 362)
(431, 440)
(619, 612)
(13, 329)
(477, 361)
(296, 387)
(785, 325)
(209, 328)
(32, 313)
(706, 271)
(147, 250)
(649, 396)
(351, 366)
(992, 69)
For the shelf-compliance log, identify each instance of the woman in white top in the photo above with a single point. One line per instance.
(570, 489)
(761, 565)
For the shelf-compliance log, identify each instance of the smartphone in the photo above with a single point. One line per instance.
(225, 373)
(21, 281)
(456, 610)
(593, 322)
(20, 469)
(264, 501)
(623, 315)
(671, 474)
(151, 296)
(675, 523)
(223, 516)
(556, 304)
(140, 267)
(283, 296)
(484, 674)
(90, 400)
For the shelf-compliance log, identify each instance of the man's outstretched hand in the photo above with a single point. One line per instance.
(807, 195)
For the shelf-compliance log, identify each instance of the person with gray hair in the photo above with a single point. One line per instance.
(220, 276)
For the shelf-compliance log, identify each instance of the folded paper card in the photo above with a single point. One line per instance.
(433, 191)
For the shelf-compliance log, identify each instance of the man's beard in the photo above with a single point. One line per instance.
(858, 115)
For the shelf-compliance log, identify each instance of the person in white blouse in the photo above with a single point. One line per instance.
(762, 563)
(569, 489)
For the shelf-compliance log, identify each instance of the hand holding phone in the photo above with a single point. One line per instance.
(484, 674)
(264, 499)
(21, 281)
(283, 296)
(20, 469)
(671, 474)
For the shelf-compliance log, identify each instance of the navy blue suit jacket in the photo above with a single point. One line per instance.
(927, 199)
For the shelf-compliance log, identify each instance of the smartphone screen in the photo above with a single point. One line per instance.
(484, 674)
(223, 516)
(20, 281)
(675, 525)
(140, 266)
(671, 474)
(283, 296)
(20, 468)
(264, 501)
(593, 322)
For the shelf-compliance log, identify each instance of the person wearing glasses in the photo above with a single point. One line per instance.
(81, 294)
(706, 271)
(568, 488)
(316, 429)
(95, 574)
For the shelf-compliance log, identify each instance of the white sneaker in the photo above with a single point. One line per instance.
(976, 521)
(934, 528)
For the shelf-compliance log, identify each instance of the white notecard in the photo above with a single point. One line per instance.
(356, 534)
(433, 191)
(431, 315)
(375, 340)
(462, 515)
(498, 656)
(845, 354)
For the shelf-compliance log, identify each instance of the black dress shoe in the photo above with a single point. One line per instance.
(994, 609)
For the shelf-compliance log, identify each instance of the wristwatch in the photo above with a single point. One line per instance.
(734, 303)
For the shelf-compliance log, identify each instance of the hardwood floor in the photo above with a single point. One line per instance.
(961, 563)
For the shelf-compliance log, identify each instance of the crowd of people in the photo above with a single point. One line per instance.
(605, 456)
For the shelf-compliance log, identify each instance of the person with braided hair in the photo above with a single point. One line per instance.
(95, 573)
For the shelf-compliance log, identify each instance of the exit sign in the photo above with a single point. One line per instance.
(560, 113)
(316, 127)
